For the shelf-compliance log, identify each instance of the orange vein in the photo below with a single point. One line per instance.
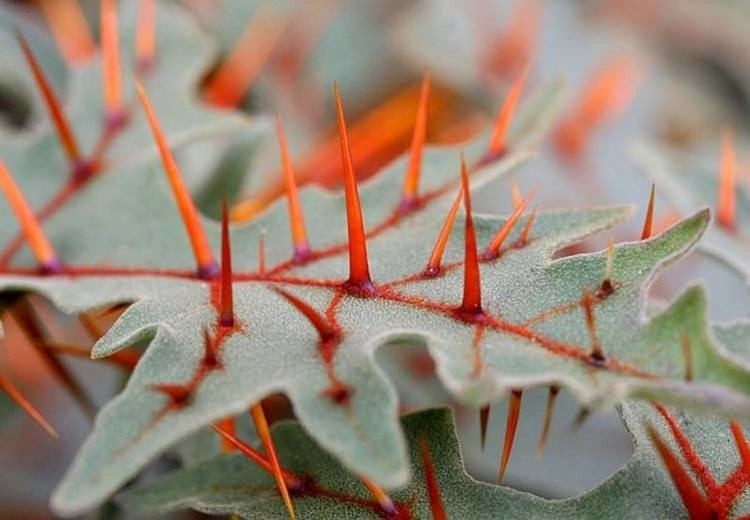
(296, 217)
(411, 181)
(201, 249)
(433, 264)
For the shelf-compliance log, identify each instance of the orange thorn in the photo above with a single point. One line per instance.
(261, 426)
(742, 446)
(498, 142)
(16, 395)
(515, 193)
(551, 398)
(359, 281)
(433, 487)
(262, 252)
(587, 302)
(514, 412)
(296, 217)
(317, 320)
(126, 359)
(493, 249)
(241, 67)
(484, 419)
(411, 181)
(111, 62)
(226, 304)
(433, 265)
(688, 357)
(726, 203)
(472, 298)
(227, 425)
(64, 132)
(38, 242)
(696, 505)
(648, 221)
(206, 265)
(251, 453)
(524, 238)
(386, 503)
(145, 38)
(71, 32)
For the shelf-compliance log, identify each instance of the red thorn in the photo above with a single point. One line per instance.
(68, 24)
(251, 453)
(493, 249)
(587, 303)
(261, 426)
(511, 425)
(226, 305)
(472, 298)
(726, 204)
(206, 265)
(523, 239)
(64, 132)
(251, 52)
(210, 355)
(696, 505)
(411, 181)
(498, 142)
(359, 281)
(551, 398)
(382, 498)
(16, 395)
(38, 242)
(649, 220)
(433, 265)
(326, 331)
(296, 217)
(111, 61)
(433, 487)
(145, 38)
(743, 448)
(484, 419)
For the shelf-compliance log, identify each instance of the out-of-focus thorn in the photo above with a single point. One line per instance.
(511, 50)
(697, 506)
(411, 181)
(499, 140)
(228, 425)
(207, 267)
(433, 264)
(262, 252)
(69, 27)
(126, 359)
(226, 298)
(433, 487)
(111, 70)
(382, 498)
(493, 249)
(726, 203)
(649, 220)
(64, 132)
(484, 420)
(301, 247)
(687, 356)
(554, 390)
(16, 395)
(234, 77)
(145, 38)
(471, 305)
(511, 425)
(523, 238)
(37, 240)
(359, 281)
(261, 426)
(515, 193)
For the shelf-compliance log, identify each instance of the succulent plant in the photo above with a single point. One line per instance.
(105, 216)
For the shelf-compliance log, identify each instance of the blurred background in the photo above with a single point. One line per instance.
(638, 75)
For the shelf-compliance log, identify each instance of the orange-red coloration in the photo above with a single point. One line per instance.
(551, 398)
(16, 395)
(359, 281)
(38, 243)
(382, 498)
(493, 249)
(201, 249)
(726, 203)
(325, 330)
(697, 506)
(228, 425)
(648, 221)
(484, 420)
(262, 252)
(126, 359)
(523, 238)
(301, 246)
(261, 426)
(433, 264)
(743, 448)
(68, 24)
(515, 193)
(433, 487)
(111, 61)
(512, 50)
(234, 77)
(145, 38)
(226, 305)
(587, 303)
(511, 425)
(64, 132)
(411, 181)
(472, 297)
(499, 139)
